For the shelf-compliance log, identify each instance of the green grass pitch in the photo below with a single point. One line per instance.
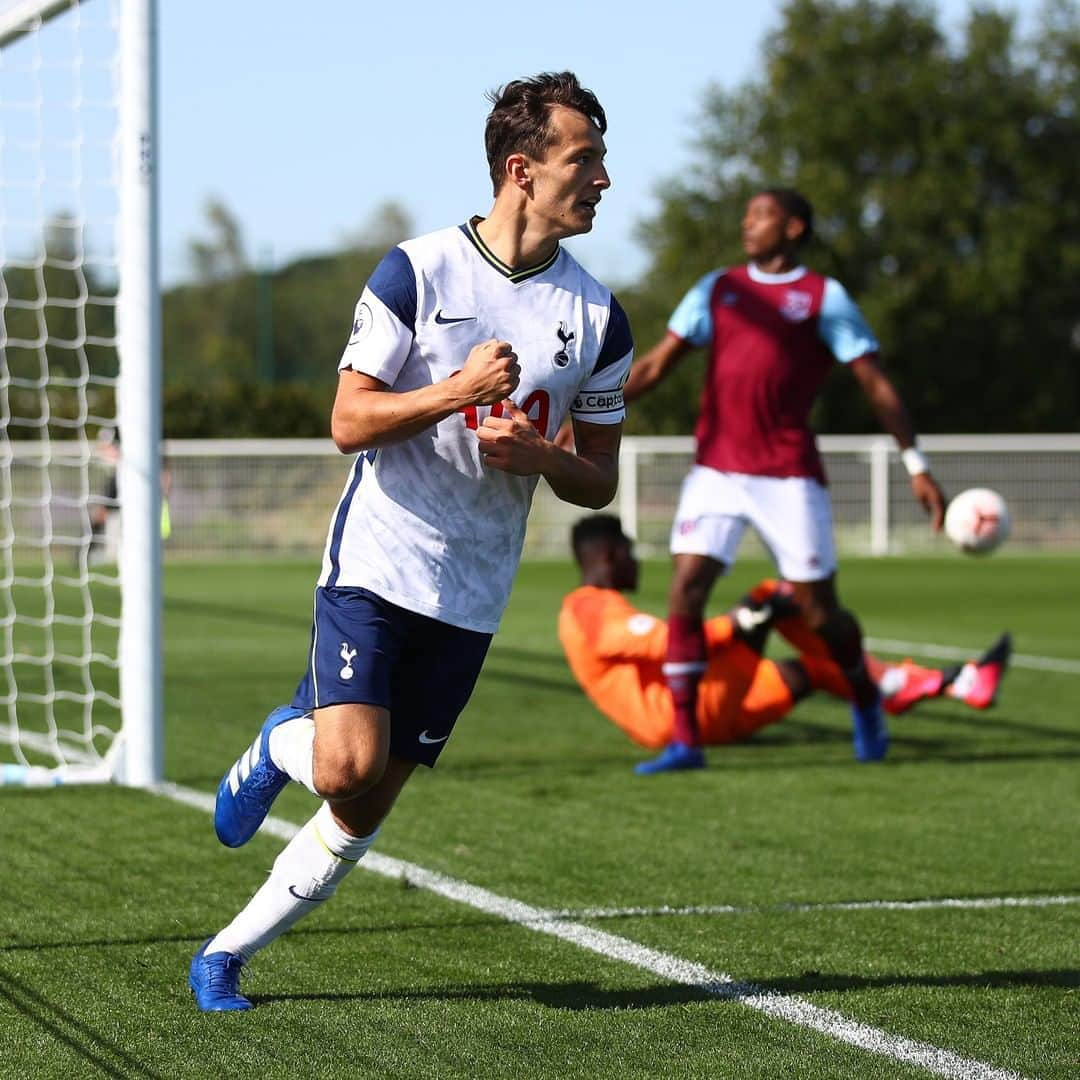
(106, 892)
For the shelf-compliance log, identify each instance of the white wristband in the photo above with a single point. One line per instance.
(914, 461)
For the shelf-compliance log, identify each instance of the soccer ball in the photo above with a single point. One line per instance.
(977, 521)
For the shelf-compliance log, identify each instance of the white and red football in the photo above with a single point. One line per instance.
(977, 521)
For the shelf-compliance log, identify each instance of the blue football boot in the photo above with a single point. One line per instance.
(869, 735)
(249, 788)
(673, 757)
(215, 981)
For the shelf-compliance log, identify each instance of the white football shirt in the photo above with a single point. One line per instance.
(424, 523)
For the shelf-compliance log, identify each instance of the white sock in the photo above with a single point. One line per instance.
(304, 876)
(892, 680)
(292, 749)
(961, 686)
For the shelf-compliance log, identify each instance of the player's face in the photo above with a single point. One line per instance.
(567, 183)
(766, 229)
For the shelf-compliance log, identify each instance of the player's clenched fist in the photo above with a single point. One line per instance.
(491, 372)
(509, 442)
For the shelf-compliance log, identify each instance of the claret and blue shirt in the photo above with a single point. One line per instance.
(772, 339)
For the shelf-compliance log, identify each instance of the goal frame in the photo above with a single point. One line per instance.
(137, 757)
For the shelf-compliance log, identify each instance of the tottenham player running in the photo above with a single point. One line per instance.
(469, 346)
(773, 330)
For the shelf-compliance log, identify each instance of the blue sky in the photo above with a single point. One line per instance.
(303, 119)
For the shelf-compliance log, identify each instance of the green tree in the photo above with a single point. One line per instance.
(222, 255)
(944, 180)
(210, 334)
(208, 325)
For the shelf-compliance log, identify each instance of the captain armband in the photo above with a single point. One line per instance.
(597, 403)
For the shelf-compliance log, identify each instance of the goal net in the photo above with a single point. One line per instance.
(80, 670)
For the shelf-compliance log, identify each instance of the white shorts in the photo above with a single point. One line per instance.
(791, 514)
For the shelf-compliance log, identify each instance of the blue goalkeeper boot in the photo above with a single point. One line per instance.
(869, 735)
(249, 788)
(674, 757)
(215, 981)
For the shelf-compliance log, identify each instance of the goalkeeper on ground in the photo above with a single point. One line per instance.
(617, 654)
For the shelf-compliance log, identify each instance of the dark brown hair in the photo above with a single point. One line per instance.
(519, 120)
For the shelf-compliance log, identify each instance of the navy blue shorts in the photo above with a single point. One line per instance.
(365, 650)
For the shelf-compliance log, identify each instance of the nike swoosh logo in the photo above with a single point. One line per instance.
(427, 740)
(445, 320)
(310, 899)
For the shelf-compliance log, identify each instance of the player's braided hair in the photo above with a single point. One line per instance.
(606, 528)
(519, 120)
(794, 204)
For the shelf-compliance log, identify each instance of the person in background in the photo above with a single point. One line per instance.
(617, 653)
(773, 330)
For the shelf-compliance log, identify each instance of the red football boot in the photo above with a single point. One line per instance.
(918, 683)
(978, 682)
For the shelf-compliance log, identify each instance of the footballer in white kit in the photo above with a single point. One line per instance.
(424, 524)
(469, 347)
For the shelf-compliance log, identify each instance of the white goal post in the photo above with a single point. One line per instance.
(80, 390)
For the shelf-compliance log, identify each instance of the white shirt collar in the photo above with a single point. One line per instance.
(774, 279)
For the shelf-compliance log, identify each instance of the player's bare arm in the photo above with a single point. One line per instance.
(893, 417)
(651, 368)
(588, 478)
(367, 413)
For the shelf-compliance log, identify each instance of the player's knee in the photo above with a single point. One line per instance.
(834, 624)
(817, 617)
(820, 609)
(340, 776)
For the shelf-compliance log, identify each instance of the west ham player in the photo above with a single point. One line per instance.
(468, 348)
(617, 652)
(773, 329)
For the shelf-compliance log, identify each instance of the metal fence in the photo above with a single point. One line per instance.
(241, 497)
(873, 509)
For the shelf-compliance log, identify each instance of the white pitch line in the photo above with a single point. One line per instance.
(975, 903)
(951, 652)
(790, 1009)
